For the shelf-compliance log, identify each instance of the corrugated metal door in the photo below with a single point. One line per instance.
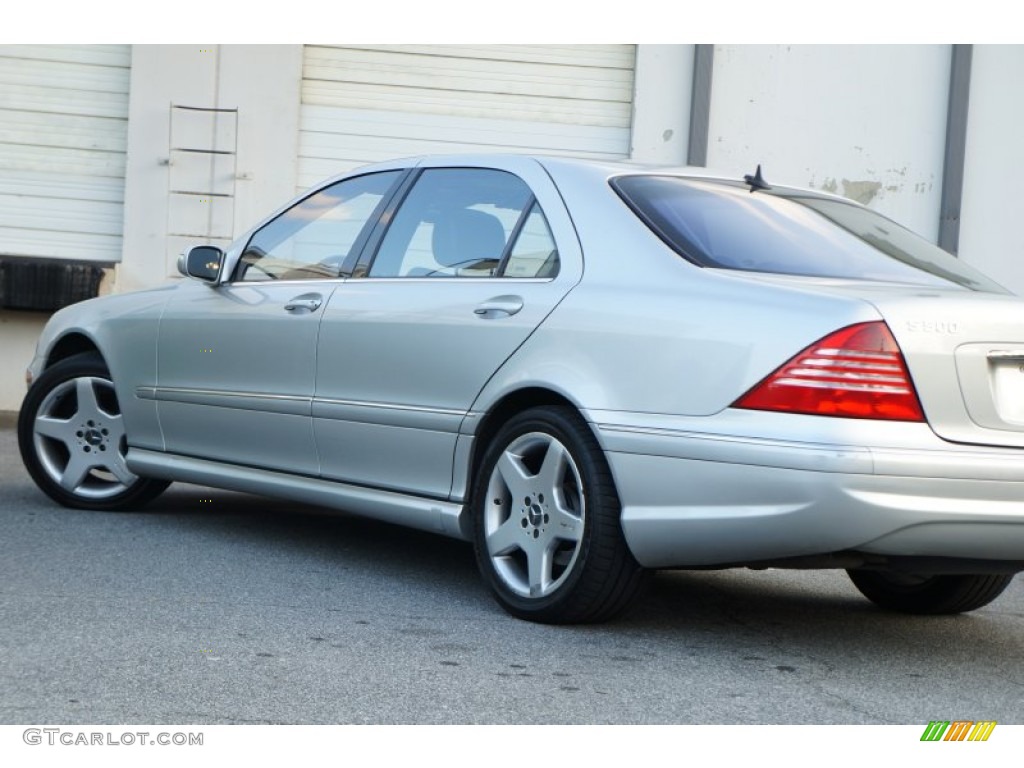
(362, 104)
(63, 134)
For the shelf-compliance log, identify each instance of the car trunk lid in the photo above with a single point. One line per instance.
(966, 357)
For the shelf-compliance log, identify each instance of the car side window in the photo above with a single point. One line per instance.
(314, 239)
(460, 222)
(534, 253)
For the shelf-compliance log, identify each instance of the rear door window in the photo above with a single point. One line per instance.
(466, 223)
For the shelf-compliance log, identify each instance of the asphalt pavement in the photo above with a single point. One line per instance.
(217, 607)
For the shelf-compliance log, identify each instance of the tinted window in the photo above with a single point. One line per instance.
(455, 222)
(719, 225)
(314, 239)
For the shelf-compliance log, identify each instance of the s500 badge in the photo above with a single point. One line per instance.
(933, 326)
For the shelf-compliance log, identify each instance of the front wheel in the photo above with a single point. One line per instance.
(943, 594)
(547, 532)
(72, 439)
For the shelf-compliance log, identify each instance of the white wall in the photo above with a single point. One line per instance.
(663, 82)
(262, 82)
(991, 235)
(866, 122)
(18, 334)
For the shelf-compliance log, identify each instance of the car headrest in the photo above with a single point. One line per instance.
(465, 236)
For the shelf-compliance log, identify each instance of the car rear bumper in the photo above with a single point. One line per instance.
(693, 499)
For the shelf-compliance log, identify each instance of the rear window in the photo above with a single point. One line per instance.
(789, 233)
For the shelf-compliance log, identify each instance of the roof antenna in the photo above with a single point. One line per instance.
(757, 180)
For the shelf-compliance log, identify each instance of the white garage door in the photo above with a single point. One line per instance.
(63, 132)
(363, 104)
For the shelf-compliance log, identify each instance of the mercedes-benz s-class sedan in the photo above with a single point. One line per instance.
(587, 370)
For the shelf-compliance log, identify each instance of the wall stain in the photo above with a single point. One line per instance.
(861, 191)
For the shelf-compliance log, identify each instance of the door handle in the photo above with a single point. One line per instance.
(499, 306)
(307, 301)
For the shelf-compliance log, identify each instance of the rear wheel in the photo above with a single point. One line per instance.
(943, 594)
(72, 439)
(547, 533)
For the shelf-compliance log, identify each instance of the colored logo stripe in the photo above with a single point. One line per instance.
(982, 730)
(958, 730)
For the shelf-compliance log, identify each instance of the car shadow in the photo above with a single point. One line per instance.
(809, 609)
(816, 615)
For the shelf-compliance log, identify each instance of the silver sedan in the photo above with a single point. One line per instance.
(587, 370)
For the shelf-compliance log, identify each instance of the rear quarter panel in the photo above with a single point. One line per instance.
(646, 331)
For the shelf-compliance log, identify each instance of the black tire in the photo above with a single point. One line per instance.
(934, 595)
(560, 513)
(72, 440)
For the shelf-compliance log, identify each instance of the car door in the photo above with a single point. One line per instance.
(237, 361)
(471, 263)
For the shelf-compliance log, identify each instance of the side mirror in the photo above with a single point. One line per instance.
(202, 262)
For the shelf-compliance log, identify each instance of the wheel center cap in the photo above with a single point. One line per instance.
(93, 437)
(535, 515)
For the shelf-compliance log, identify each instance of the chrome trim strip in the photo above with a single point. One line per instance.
(994, 465)
(495, 280)
(733, 450)
(326, 410)
(389, 406)
(1007, 355)
(333, 409)
(683, 434)
(161, 393)
(293, 405)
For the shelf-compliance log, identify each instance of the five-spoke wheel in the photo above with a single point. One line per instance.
(72, 438)
(534, 514)
(547, 532)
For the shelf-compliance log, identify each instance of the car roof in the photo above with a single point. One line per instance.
(606, 168)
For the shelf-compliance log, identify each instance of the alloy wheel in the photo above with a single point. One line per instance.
(535, 514)
(79, 438)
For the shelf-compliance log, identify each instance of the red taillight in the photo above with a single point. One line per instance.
(857, 372)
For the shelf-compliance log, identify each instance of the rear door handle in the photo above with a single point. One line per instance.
(309, 302)
(499, 306)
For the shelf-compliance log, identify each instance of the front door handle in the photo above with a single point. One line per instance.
(309, 302)
(499, 306)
